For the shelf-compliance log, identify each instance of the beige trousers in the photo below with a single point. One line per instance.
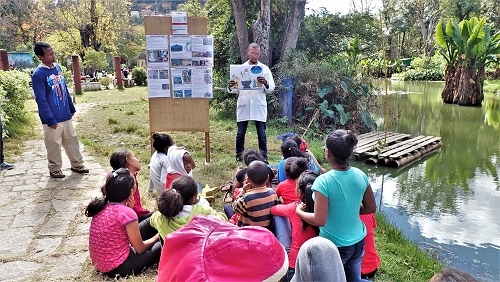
(64, 135)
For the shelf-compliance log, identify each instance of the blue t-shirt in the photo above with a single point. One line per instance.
(52, 97)
(344, 191)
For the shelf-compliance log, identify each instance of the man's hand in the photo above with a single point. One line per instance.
(231, 84)
(53, 126)
(263, 80)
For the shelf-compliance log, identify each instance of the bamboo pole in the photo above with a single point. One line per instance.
(386, 119)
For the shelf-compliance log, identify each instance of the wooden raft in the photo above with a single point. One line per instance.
(400, 150)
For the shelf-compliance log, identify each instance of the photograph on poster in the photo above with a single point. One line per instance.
(198, 62)
(152, 74)
(181, 62)
(163, 74)
(157, 56)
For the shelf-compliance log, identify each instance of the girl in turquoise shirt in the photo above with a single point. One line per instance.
(340, 196)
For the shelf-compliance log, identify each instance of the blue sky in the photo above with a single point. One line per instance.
(341, 6)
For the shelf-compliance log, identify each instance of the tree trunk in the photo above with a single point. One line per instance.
(241, 27)
(293, 21)
(262, 32)
(93, 24)
(469, 85)
(449, 85)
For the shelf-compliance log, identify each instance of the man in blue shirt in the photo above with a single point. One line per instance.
(55, 109)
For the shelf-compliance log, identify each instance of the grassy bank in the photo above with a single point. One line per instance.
(119, 120)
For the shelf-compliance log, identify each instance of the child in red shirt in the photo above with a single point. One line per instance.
(294, 167)
(180, 163)
(371, 260)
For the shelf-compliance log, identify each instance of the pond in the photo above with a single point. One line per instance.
(445, 202)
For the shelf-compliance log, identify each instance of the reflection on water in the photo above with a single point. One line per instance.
(446, 202)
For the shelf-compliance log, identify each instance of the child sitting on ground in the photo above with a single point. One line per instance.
(180, 163)
(301, 230)
(254, 204)
(115, 243)
(249, 155)
(178, 205)
(127, 159)
(159, 162)
(294, 167)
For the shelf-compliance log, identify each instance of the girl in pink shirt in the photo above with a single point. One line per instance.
(301, 231)
(115, 243)
(127, 159)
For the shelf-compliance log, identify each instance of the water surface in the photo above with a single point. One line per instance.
(447, 202)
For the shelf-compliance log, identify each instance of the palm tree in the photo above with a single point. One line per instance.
(467, 47)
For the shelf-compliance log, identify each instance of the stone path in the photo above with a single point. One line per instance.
(44, 232)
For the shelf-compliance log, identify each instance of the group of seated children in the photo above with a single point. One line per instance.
(125, 238)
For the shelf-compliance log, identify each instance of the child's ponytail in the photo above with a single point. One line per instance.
(117, 189)
(96, 206)
(181, 192)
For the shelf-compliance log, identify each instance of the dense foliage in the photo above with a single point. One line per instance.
(14, 91)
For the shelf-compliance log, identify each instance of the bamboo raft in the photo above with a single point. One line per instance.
(400, 150)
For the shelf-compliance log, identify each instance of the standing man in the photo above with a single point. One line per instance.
(252, 104)
(55, 109)
(3, 165)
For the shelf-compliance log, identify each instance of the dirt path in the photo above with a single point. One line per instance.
(44, 231)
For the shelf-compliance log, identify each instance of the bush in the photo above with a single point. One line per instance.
(139, 75)
(14, 91)
(325, 95)
(424, 68)
(106, 81)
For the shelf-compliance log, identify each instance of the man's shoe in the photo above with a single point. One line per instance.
(6, 166)
(80, 169)
(57, 174)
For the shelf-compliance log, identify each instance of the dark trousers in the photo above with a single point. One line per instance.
(136, 263)
(1, 142)
(261, 135)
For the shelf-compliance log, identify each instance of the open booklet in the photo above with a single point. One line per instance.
(246, 76)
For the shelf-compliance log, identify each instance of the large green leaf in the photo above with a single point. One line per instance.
(324, 106)
(457, 36)
(475, 37)
(322, 92)
(440, 34)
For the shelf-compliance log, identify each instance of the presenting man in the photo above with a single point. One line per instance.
(252, 104)
(55, 109)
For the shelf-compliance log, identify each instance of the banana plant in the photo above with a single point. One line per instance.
(467, 47)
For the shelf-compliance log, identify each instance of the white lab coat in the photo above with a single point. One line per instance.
(252, 104)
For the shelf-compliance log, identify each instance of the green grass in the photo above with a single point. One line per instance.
(492, 86)
(109, 125)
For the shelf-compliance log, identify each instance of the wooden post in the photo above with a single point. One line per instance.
(76, 74)
(207, 147)
(118, 73)
(4, 60)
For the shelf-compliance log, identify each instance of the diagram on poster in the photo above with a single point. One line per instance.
(157, 50)
(246, 76)
(158, 82)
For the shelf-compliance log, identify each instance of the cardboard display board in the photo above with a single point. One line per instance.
(169, 114)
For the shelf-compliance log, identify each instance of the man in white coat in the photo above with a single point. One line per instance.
(252, 104)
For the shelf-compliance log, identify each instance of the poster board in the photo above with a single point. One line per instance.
(167, 113)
